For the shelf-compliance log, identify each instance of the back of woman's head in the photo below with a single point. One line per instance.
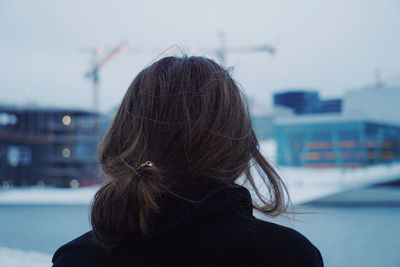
(188, 117)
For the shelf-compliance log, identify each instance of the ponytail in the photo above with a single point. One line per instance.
(125, 203)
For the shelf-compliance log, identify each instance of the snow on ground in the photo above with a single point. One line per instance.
(304, 184)
(45, 195)
(307, 184)
(18, 258)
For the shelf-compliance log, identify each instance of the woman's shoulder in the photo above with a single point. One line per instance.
(248, 241)
(286, 244)
(81, 251)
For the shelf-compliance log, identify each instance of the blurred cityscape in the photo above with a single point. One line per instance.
(57, 146)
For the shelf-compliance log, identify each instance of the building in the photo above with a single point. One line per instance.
(48, 146)
(302, 102)
(330, 106)
(306, 102)
(263, 120)
(335, 141)
(380, 103)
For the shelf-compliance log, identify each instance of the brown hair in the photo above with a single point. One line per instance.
(188, 116)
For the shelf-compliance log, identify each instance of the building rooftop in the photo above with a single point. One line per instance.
(9, 108)
(328, 118)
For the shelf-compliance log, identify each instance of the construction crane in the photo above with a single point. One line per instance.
(223, 49)
(94, 72)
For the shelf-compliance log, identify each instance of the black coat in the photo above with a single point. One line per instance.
(218, 229)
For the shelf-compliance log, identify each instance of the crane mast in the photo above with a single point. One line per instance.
(93, 75)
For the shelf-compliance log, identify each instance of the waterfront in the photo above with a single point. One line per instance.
(346, 235)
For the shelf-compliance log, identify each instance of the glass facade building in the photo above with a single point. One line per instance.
(330, 106)
(307, 102)
(321, 141)
(302, 102)
(49, 146)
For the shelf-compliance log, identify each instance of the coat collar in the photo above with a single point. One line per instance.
(189, 206)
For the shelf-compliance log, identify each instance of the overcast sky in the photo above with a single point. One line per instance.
(331, 46)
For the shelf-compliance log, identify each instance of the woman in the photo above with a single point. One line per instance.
(180, 140)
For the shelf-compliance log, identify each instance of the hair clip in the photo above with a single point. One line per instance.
(147, 164)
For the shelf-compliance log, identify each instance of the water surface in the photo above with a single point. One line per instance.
(346, 236)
